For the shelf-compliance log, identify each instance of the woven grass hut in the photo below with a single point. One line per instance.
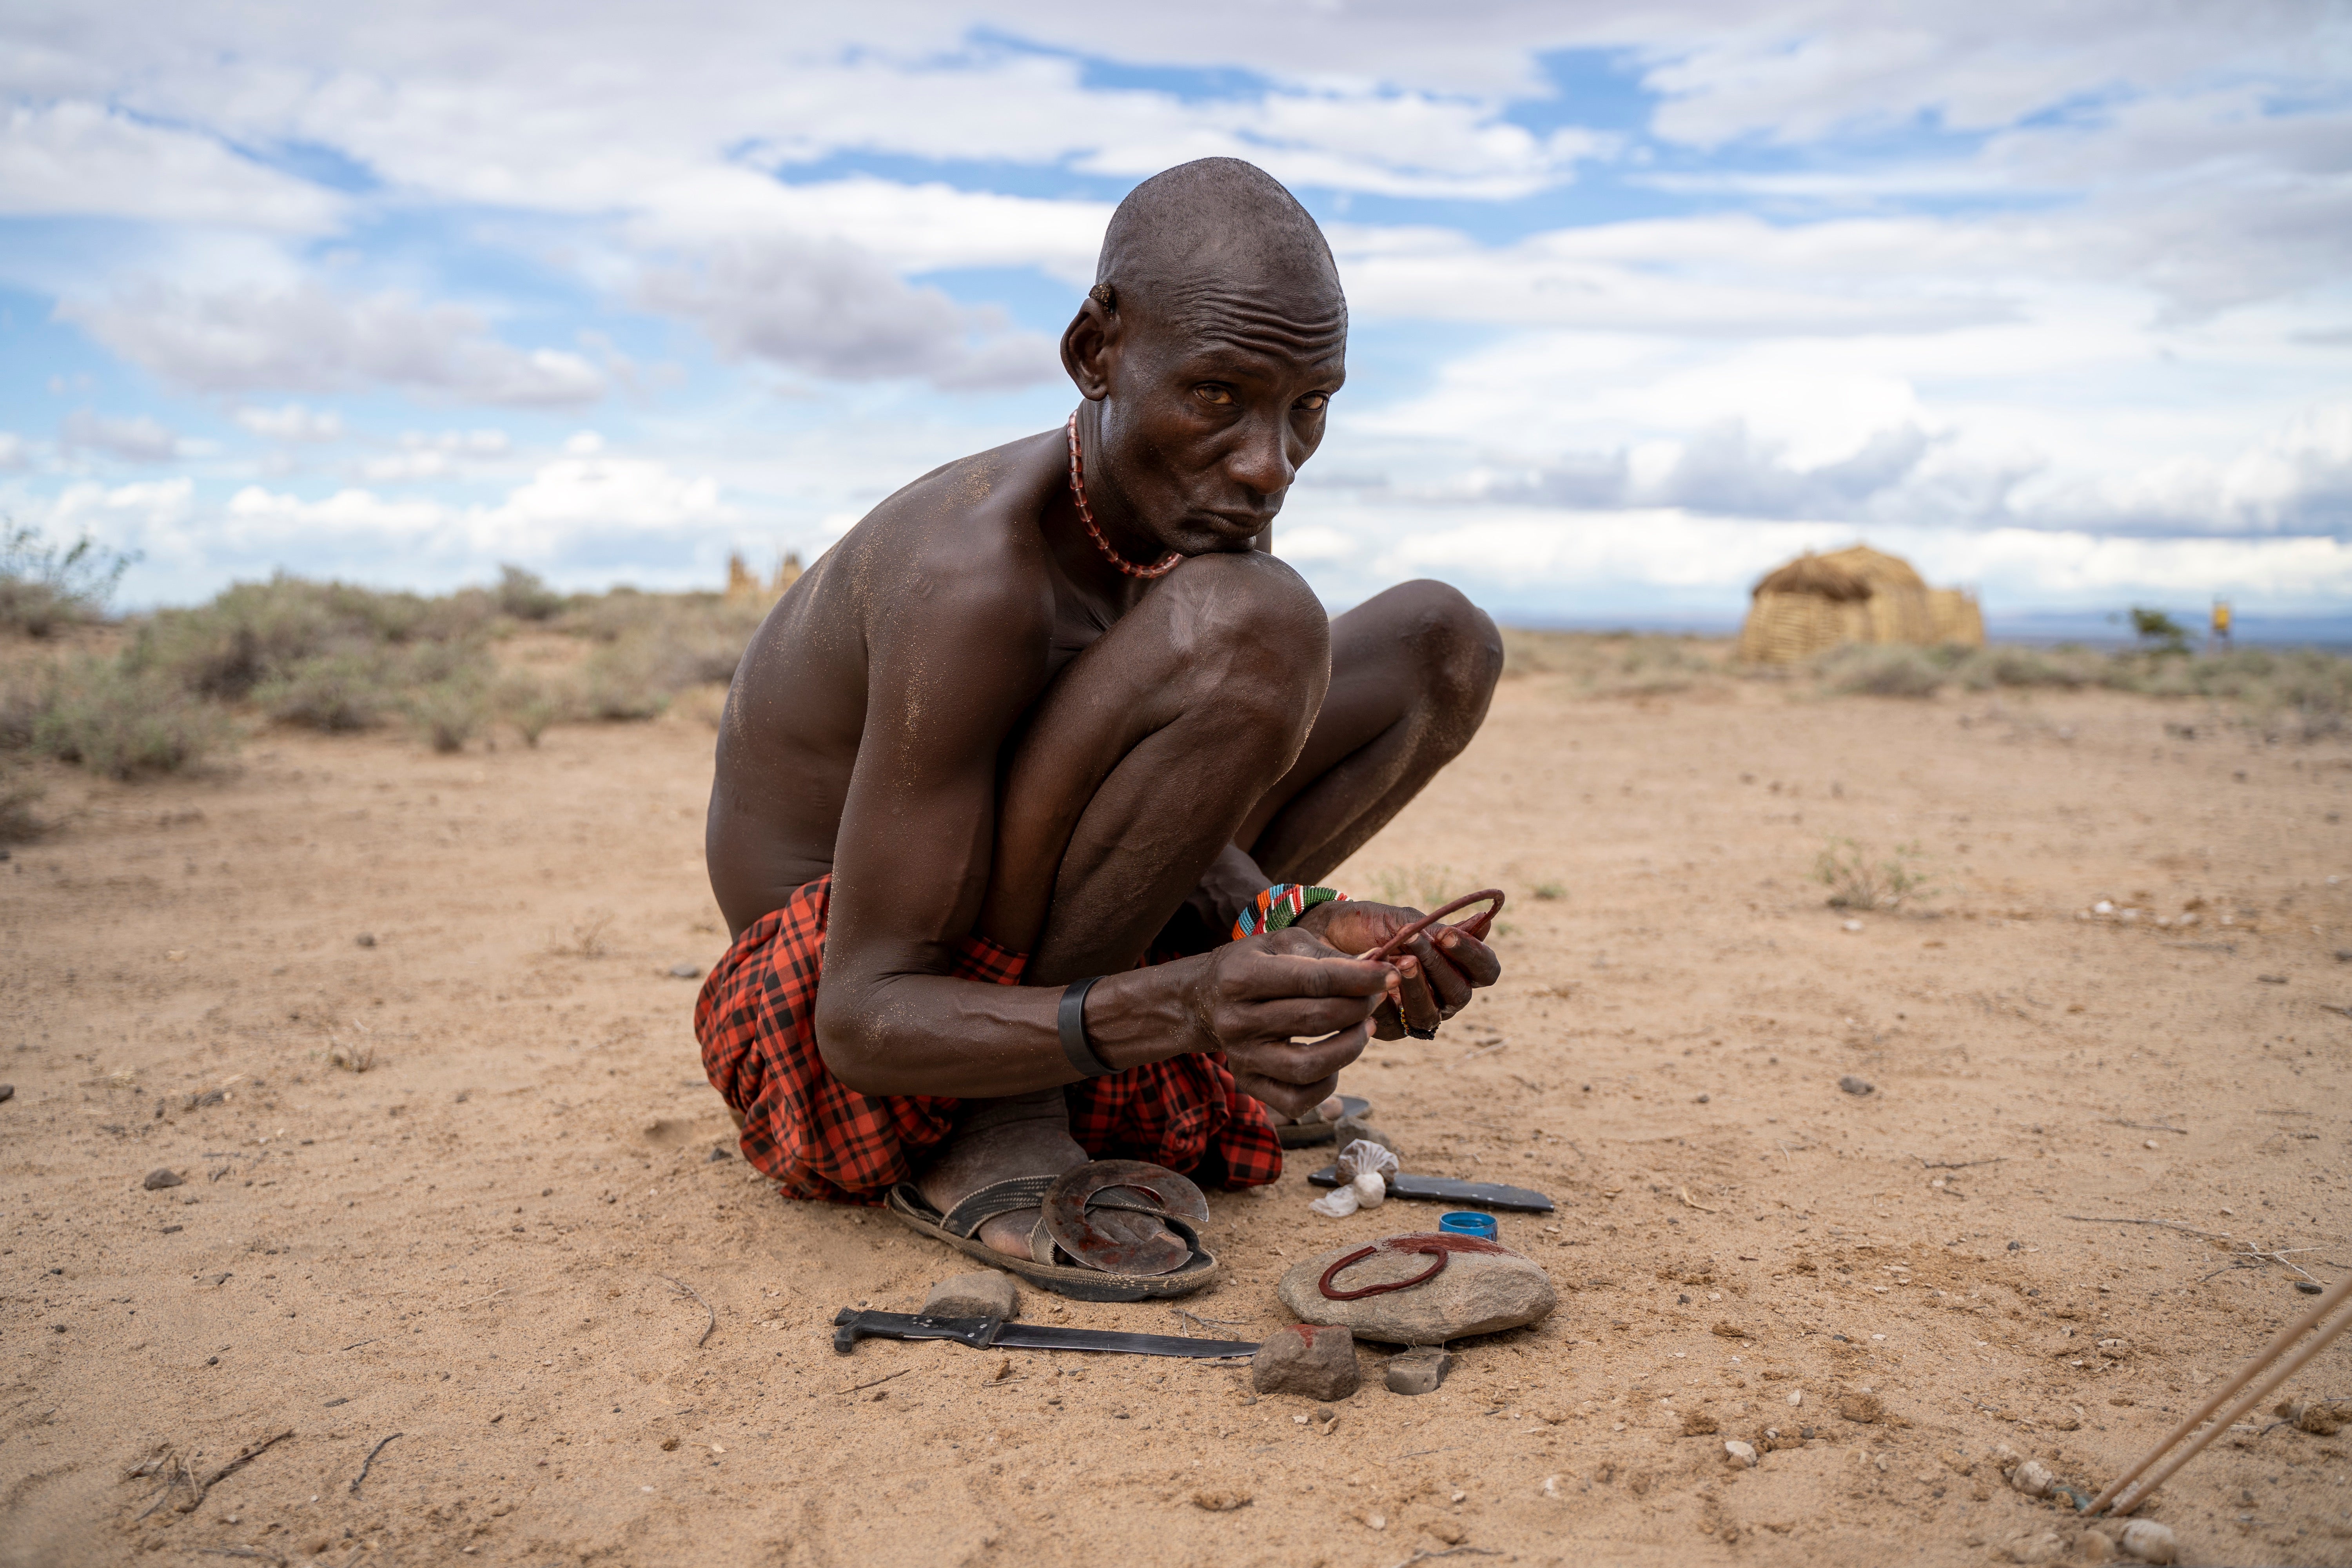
(1857, 595)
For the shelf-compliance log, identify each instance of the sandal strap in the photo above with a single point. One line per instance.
(998, 1197)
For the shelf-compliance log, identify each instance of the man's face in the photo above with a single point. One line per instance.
(1213, 405)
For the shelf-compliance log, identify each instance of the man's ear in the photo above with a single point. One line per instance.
(1091, 347)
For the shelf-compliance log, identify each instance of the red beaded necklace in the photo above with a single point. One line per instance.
(1078, 489)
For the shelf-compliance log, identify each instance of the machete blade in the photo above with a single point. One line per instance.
(1446, 1190)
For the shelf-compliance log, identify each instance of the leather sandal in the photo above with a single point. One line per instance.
(1070, 1256)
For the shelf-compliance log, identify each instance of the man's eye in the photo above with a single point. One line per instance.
(1315, 402)
(1217, 395)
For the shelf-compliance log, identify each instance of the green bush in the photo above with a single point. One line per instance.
(524, 596)
(45, 586)
(623, 682)
(450, 710)
(336, 692)
(123, 722)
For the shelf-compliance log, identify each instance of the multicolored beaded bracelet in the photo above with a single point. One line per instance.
(1282, 905)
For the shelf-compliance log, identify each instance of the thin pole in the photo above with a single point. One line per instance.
(2244, 1375)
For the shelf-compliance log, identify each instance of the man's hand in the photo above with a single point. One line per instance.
(1436, 970)
(1262, 992)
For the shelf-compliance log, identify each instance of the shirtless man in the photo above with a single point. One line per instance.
(1056, 707)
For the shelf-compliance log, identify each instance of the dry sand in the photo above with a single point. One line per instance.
(485, 1242)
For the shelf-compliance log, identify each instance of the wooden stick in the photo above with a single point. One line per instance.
(710, 1328)
(2245, 1405)
(2244, 1375)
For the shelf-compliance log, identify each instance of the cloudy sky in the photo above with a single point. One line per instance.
(2052, 299)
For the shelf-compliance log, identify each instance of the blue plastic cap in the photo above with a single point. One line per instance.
(1468, 1222)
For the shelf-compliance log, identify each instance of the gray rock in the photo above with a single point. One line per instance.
(986, 1294)
(1418, 1371)
(1317, 1363)
(1854, 1084)
(1477, 1293)
(1354, 1127)
(365, 939)
(8, 1092)
(162, 1177)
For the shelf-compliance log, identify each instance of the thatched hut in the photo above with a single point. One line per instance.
(1856, 595)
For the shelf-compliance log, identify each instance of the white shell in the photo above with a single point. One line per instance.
(1371, 1190)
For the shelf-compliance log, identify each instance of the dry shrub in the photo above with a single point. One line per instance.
(1616, 664)
(1857, 880)
(44, 587)
(1887, 669)
(122, 722)
(19, 793)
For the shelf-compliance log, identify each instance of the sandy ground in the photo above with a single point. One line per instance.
(485, 1242)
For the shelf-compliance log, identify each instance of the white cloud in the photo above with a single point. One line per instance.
(834, 310)
(88, 161)
(14, 453)
(139, 439)
(293, 422)
(306, 339)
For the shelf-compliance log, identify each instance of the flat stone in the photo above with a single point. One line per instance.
(984, 1294)
(1354, 1127)
(1854, 1084)
(1304, 1359)
(162, 1177)
(1418, 1371)
(1475, 1293)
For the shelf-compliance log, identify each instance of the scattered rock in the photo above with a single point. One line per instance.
(365, 939)
(2032, 1477)
(1739, 1453)
(2150, 1541)
(2095, 1548)
(2034, 1549)
(1353, 1127)
(984, 1294)
(1865, 1408)
(1699, 1424)
(2320, 1417)
(718, 1152)
(1796, 1397)
(1326, 1419)
(1419, 1370)
(1477, 1293)
(1854, 1084)
(8, 1092)
(2308, 1287)
(685, 971)
(1220, 1501)
(161, 1177)
(1319, 1363)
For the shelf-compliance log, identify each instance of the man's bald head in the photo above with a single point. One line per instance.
(1208, 233)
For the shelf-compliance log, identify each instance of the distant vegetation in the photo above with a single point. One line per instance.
(157, 693)
(2297, 694)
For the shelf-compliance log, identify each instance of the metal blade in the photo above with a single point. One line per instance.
(1446, 1190)
(1040, 1337)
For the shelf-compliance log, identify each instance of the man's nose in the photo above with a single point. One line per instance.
(1262, 460)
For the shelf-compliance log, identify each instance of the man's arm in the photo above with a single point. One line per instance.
(956, 657)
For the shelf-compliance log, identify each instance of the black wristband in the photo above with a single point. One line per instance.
(1072, 1022)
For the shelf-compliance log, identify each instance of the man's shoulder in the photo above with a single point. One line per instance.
(962, 541)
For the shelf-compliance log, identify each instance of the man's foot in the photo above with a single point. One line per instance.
(1022, 1135)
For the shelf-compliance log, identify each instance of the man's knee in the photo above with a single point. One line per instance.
(1247, 634)
(1456, 651)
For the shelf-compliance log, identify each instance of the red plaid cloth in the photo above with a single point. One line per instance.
(757, 1021)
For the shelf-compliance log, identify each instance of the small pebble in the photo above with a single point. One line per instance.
(2032, 1477)
(983, 1294)
(1744, 1453)
(161, 1177)
(8, 1092)
(365, 939)
(685, 971)
(1306, 1359)
(1854, 1084)
(2150, 1541)
(2308, 1287)
(1796, 1397)
(1418, 1371)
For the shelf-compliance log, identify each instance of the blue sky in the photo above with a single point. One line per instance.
(1646, 298)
